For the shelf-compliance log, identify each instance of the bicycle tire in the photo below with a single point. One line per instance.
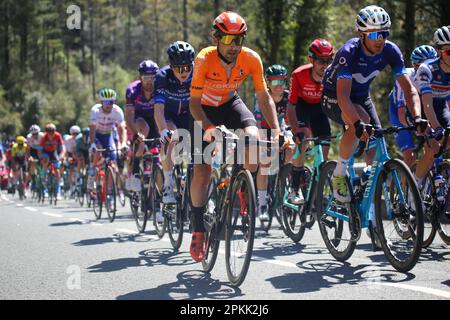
(97, 204)
(156, 200)
(212, 238)
(248, 227)
(443, 217)
(175, 226)
(311, 214)
(388, 245)
(120, 189)
(326, 222)
(110, 206)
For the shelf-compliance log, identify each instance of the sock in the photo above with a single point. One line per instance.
(341, 167)
(262, 200)
(168, 177)
(296, 171)
(197, 217)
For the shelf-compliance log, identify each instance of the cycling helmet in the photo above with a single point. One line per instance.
(107, 94)
(20, 140)
(75, 129)
(229, 22)
(34, 129)
(320, 48)
(372, 17)
(442, 36)
(277, 71)
(148, 67)
(86, 130)
(423, 53)
(180, 53)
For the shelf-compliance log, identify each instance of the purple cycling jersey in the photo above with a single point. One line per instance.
(135, 98)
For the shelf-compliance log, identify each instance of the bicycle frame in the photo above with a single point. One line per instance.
(365, 206)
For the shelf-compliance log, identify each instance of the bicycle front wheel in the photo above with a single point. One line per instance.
(398, 206)
(240, 228)
(110, 182)
(155, 200)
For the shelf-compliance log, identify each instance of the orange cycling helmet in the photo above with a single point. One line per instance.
(229, 22)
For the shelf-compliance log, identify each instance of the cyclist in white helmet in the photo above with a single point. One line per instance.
(71, 160)
(34, 138)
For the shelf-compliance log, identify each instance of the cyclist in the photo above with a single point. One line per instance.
(398, 114)
(304, 111)
(104, 116)
(18, 153)
(218, 72)
(139, 115)
(433, 80)
(52, 150)
(172, 86)
(33, 145)
(82, 151)
(276, 79)
(346, 96)
(71, 159)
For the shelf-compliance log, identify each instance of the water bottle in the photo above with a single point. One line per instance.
(438, 181)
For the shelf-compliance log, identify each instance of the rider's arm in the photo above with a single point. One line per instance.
(159, 117)
(427, 101)
(343, 90)
(410, 94)
(195, 107)
(401, 111)
(92, 128)
(268, 109)
(121, 128)
(129, 119)
(423, 80)
(160, 99)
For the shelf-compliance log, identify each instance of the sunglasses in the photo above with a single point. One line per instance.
(181, 69)
(228, 39)
(148, 77)
(445, 53)
(107, 102)
(377, 35)
(324, 61)
(278, 82)
(49, 130)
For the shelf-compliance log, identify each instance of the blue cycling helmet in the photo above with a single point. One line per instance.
(423, 53)
(148, 67)
(180, 53)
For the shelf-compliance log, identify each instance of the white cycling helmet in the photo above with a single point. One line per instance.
(75, 129)
(372, 17)
(442, 36)
(35, 129)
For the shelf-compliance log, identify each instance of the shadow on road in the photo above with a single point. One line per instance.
(190, 285)
(65, 224)
(116, 238)
(146, 258)
(323, 273)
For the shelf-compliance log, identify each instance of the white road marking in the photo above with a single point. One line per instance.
(19, 204)
(31, 209)
(436, 292)
(127, 231)
(55, 215)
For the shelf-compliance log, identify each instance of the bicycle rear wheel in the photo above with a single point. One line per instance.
(398, 204)
(443, 217)
(110, 182)
(240, 228)
(335, 232)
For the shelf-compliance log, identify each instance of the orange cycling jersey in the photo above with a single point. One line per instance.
(210, 81)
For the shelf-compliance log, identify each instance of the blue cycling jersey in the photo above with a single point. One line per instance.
(352, 63)
(172, 93)
(431, 79)
(397, 95)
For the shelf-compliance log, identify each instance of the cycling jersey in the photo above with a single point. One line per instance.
(281, 112)
(35, 141)
(398, 97)
(52, 144)
(70, 145)
(19, 152)
(352, 63)
(210, 80)
(172, 93)
(304, 89)
(135, 98)
(105, 122)
(430, 78)
(82, 143)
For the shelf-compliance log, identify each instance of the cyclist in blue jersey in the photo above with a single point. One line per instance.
(172, 86)
(139, 117)
(346, 95)
(398, 115)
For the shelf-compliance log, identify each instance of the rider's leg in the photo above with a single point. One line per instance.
(143, 128)
(167, 164)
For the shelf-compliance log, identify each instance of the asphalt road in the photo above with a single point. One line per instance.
(62, 252)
